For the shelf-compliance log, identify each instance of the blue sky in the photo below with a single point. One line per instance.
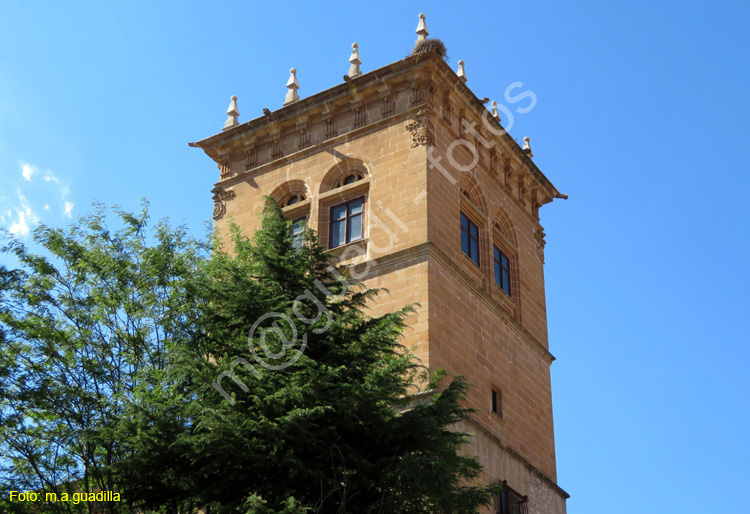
(641, 117)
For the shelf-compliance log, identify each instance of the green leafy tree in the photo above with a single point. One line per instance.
(258, 385)
(79, 324)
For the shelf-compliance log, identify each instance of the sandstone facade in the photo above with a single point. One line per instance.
(423, 149)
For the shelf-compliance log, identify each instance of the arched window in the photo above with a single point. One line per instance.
(292, 197)
(505, 254)
(350, 178)
(343, 200)
(473, 220)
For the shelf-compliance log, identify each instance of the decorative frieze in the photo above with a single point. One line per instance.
(416, 96)
(447, 107)
(508, 172)
(225, 171)
(360, 114)
(330, 121)
(523, 191)
(252, 158)
(388, 104)
(276, 147)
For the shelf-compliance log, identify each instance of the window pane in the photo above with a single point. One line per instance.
(338, 233)
(496, 253)
(355, 206)
(465, 242)
(506, 282)
(506, 262)
(474, 251)
(464, 221)
(355, 227)
(338, 212)
(497, 275)
(474, 230)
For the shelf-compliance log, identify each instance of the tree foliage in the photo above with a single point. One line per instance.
(250, 380)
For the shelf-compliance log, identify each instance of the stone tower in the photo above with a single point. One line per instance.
(406, 174)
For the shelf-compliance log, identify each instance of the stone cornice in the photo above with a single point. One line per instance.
(313, 148)
(439, 74)
(547, 480)
(311, 103)
(422, 396)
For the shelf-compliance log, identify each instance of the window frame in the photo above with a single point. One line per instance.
(510, 501)
(498, 264)
(477, 239)
(347, 222)
(497, 402)
(301, 234)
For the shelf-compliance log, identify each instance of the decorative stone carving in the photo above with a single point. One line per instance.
(277, 149)
(418, 129)
(495, 113)
(508, 175)
(330, 125)
(461, 71)
(292, 87)
(447, 107)
(233, 113)
(540, 243)
(421, 29)
(221, 195)
(252, 158)
(388, 103)
(224, 170)
(527, 146)
(354, 62)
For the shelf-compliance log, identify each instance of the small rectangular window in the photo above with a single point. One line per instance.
(502, 270)
(346, 222)
(470, 238)
(497, 402)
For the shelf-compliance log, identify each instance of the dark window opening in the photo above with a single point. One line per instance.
(346, 222)
(502, 270)
(511, 502)
(293, 200)
(470, 238)
(350, 179)
(497, 402)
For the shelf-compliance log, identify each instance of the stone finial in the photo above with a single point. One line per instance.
(293, 85)
(461, 71)
(495, 113)
(421, 29)
(355, 61)
(527, 147)
(233, 114)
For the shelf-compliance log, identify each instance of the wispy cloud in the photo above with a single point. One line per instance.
(26, 218)
(50, 177)
(27, 170)
(23, 208)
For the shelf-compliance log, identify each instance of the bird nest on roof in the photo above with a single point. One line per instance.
(430, 45)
